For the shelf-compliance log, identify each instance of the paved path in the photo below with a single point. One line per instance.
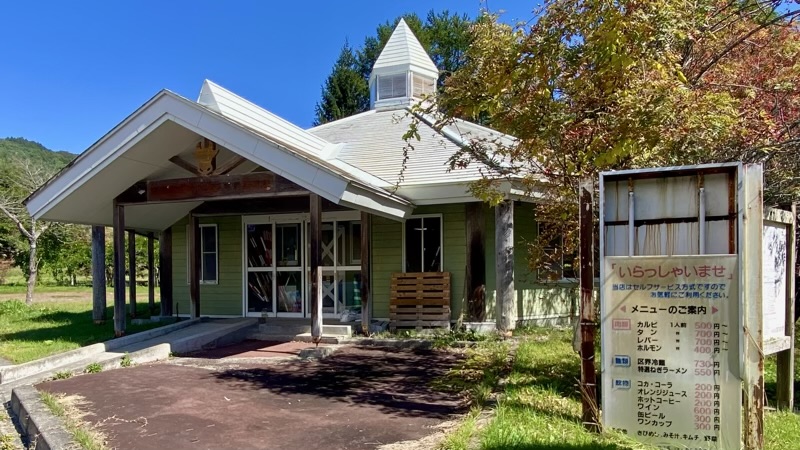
(359, 398)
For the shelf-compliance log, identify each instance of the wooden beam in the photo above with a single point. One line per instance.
(165, 271)
(185, 165)
(229, 166)
(588, 320)
(265, 205)
(366, 297)
(504, 262)
(219, 187)
(99, 274)
(151, 272)
(132, 273)
(315, 235)
(194, 265)
(785, 375)
(751, 207)
(475, 279)
(119, 270)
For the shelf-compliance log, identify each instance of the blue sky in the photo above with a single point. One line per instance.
(71, 70)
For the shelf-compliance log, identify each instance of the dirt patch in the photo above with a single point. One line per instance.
(359, 398)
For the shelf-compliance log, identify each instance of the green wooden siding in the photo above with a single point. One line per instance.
(387, 257)
(387, 254)
(535, 301)
(225, 297)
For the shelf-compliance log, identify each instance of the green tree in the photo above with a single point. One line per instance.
(66, 252)
(345, 92)
(445, 36)
(18, 178)
(595, 86)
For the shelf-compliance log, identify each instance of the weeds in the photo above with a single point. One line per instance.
(7, 442)
(126, 360)
(440, 338)
(65, 409)
(62, 375)
(480, 373)
(94, 368)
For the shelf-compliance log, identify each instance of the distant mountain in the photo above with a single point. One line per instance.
(37, 153)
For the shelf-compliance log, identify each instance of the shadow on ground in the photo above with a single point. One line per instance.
(399, 382)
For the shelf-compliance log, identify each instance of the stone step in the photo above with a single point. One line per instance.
(296, 329)
(301, 337)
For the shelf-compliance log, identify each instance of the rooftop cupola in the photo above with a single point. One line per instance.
(403, 72)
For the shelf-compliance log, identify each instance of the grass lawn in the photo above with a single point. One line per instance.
(540, 405)
(49, 327)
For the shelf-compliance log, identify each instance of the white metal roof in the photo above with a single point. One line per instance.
(404, 52)
(373, 142)
(140, 147)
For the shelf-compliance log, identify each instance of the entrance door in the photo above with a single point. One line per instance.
(341, 265)
(274, 267)
(277, 278)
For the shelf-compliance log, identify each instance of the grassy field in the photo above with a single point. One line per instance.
(56, 324)
(539, 407)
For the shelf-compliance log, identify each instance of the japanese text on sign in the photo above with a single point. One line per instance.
(668, 316)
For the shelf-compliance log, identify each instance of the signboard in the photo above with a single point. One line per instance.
(774, 280)
(670, 339)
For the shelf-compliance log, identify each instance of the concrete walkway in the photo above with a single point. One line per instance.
(152, 345)
(356, 399)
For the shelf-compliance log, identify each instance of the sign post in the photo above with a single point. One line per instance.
(681, 308)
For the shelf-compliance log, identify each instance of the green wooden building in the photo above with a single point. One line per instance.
(258, 217)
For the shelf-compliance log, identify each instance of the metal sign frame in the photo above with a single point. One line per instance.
(738, 220)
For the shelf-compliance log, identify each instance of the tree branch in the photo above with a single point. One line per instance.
(16, 221)
(737, 42)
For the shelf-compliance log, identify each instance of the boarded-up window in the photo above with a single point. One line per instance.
(423, 86)
(392, 86)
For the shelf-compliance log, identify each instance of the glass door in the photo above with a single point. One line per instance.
(341, 268)
(289, 261)
(260, 275)
(274, 267)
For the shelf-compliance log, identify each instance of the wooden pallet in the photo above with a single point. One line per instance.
(419, 300)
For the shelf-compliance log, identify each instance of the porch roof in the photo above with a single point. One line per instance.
(140, 148)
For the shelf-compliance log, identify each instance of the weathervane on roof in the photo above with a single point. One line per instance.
(206, 155)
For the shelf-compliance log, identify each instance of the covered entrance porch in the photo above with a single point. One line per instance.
(306, 259)
(175, 163)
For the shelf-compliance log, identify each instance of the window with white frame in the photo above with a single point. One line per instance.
(423, 85)
(423, 244)
(392, 86)
(209, 254)
(556, 264)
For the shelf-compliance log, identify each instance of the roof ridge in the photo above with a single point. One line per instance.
(339, 121)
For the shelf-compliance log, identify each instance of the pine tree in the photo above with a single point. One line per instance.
(444, 36)
(345, 92)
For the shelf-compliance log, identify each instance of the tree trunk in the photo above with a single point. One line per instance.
(33, 269)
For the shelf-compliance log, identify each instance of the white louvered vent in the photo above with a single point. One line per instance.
(423, 86)
(392, 86)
